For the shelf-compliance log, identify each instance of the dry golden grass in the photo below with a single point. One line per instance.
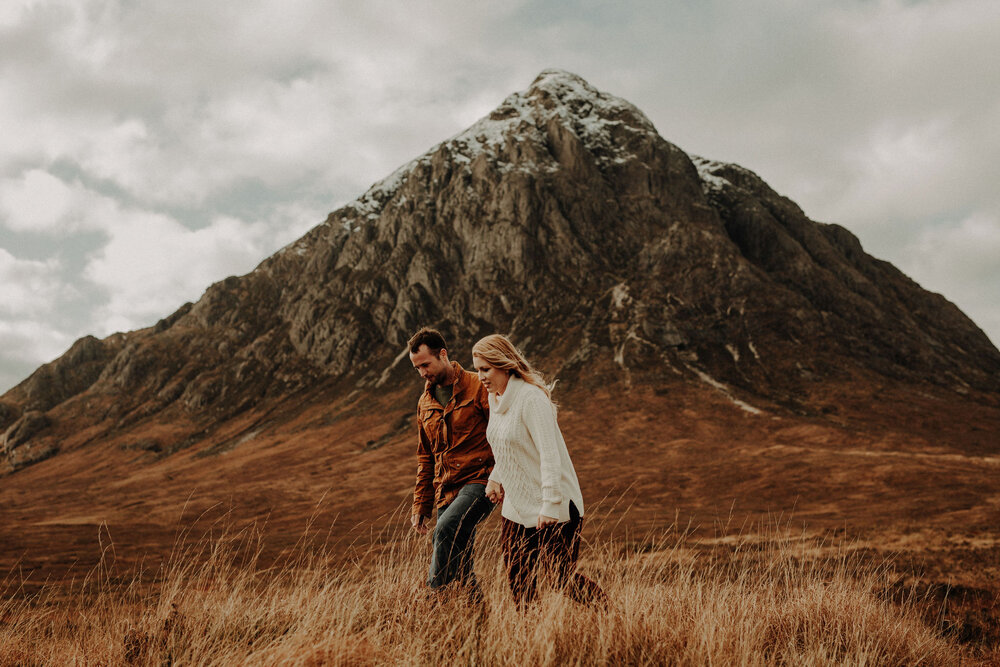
(770, 600)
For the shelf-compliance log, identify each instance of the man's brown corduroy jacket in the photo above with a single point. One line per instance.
(452, 450)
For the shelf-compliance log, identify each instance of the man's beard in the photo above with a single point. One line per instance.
(441, 377)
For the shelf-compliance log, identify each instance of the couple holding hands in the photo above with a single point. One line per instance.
(489, 438)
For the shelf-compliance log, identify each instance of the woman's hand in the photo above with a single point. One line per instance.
(494, 491)
(546, 521)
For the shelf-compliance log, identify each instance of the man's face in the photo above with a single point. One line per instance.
(432, 367)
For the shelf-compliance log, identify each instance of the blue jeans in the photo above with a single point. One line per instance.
(454, 537)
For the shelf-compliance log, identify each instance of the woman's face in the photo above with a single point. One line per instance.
(494, 379)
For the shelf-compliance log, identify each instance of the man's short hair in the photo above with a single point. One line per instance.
(432, 338)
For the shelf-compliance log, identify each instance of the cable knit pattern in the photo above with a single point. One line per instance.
(532, 462)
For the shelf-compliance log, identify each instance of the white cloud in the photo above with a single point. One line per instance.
(29, 336)
(35, 202)
(26, 344)
(147, 263)
(28, 286)
(902, 170)
(961, 262)
(13, 10)
(969, 250)
(152, 264)
(39, 202)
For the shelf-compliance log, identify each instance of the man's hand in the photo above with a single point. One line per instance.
(419, 524)
(494, 491)
(546, 521)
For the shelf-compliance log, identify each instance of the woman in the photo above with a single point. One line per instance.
(533, 476)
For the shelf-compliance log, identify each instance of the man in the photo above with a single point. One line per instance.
(454, 460)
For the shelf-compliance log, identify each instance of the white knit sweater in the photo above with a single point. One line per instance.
(532, 462)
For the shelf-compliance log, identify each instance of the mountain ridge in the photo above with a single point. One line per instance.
(563, 218)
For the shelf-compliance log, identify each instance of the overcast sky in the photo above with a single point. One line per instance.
(148, 149)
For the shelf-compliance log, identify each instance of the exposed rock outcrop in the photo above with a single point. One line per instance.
(9, 412)
(69, 375)
(24, 429)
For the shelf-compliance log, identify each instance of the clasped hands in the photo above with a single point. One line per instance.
(494, 492)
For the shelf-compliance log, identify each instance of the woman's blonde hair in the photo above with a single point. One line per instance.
(499, 352)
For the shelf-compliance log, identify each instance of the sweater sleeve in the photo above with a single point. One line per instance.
(484, 405)
(495, 475)
(540, 420)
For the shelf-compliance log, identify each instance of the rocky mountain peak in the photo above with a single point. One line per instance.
(504, 138)
(563, 218)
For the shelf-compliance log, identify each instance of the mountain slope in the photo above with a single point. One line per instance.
(562, 218)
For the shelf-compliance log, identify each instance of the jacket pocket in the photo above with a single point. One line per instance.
(464, 420)
(431, 423)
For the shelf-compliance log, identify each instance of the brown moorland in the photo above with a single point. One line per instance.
(885, 493)
(726, 365)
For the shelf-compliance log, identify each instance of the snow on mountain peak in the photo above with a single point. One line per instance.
(708, 172)
(594, 116)
(601, 121)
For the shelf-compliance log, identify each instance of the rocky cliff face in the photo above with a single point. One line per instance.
(563, 218)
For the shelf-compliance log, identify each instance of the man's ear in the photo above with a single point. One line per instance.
(443, 354)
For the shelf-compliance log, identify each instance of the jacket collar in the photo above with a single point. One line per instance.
(503, 404)
(460, 381)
